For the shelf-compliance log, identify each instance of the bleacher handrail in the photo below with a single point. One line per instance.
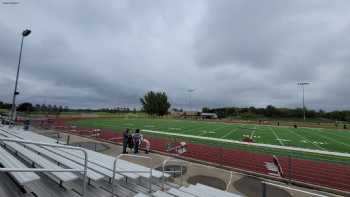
(131, 171)
(230, 181)
(46, 169)
(172, 171)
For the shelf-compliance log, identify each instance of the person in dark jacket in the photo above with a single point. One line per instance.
(125, 140)
(136, 139)
(130, 142)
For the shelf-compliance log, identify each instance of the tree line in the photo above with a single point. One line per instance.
(274, 112)
(29, 107)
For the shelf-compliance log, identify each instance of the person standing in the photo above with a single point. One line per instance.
(130, 142)
(125, 140)
(136, 139)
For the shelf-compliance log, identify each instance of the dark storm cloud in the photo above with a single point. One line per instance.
(99, 54)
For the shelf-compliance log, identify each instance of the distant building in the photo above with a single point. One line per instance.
(209, 116)
(194, 115)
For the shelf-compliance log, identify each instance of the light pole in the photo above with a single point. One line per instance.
(303, 84)
(15, 92)
(189, 97)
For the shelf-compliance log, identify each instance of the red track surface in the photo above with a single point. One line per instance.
(308, 171)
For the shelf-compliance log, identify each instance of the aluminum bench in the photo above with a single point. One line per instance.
(9, 161)
(102, 159)
(66, 162)
(40, 161)
(177, 192)
(161, 194)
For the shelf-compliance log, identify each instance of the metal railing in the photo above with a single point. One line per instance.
(132, 171)
(172, 171)
(229, 182)
(46, 169)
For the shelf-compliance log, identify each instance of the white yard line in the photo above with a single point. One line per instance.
(276, 136)
(252, 134)
(217, 128)
(336, 141)
(300, 136)
(333, 134)
(195, 128)
(229, 133)
(250, 144)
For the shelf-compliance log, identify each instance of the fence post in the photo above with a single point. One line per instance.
(289, 168)
(221, 156)
(263, 189)
(68, 139)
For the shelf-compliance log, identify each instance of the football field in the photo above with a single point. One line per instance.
(311, 138)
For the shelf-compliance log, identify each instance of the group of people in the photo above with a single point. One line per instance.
(132, 141)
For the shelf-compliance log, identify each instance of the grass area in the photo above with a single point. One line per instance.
(310, 138)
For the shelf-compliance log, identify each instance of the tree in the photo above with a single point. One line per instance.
(25, 107)
(155, 103)
(205, 110)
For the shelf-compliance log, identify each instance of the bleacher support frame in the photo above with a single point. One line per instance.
(45, 169)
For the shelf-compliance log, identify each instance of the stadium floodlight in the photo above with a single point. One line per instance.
(25, 33)
(303, 84)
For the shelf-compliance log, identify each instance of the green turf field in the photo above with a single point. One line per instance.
(311, 138)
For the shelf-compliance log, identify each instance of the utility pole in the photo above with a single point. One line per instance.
(303, 84)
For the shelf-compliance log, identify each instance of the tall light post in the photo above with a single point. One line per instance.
(303, 84)
(25, 33)
(190, 91)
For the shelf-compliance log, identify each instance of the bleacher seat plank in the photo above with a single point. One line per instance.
(161, 194)
(8, 188)
(93, 161)
(99, 158)
(48, 188)
(206, 191)
(102, 159)
(107, 161)
(80, 161)
(177, 192)
(9, 161)
(42, 162)
(66, 162)
(141, 195)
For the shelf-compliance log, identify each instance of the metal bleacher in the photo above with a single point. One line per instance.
(34, 165)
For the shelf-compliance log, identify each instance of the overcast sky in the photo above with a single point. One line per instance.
(233, 53)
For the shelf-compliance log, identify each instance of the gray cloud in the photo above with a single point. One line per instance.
(100, 54)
